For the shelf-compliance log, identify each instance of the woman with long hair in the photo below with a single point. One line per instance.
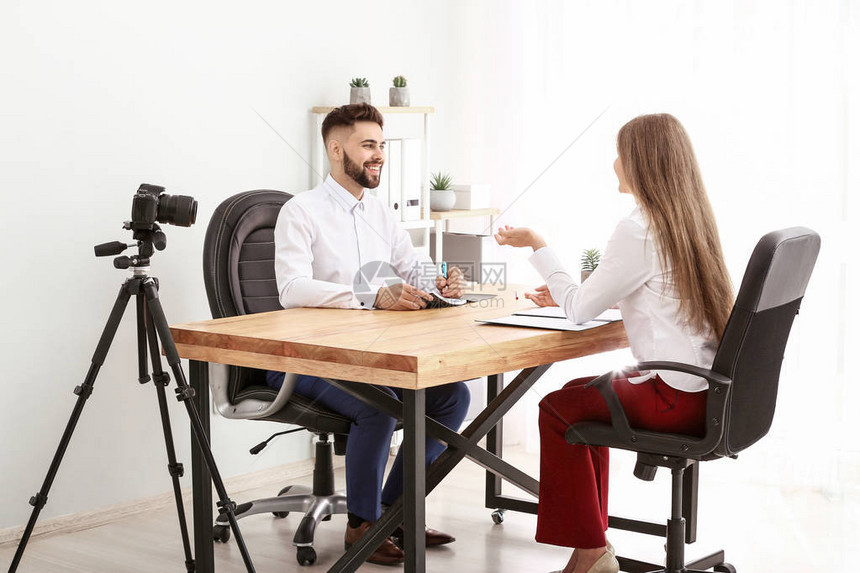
(663, 267)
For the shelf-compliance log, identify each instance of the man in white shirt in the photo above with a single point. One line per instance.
(339, 246)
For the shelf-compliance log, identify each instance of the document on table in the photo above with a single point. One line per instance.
(552, 318)
(610, 315)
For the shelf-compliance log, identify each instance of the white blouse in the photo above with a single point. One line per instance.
(629, 275)
(332, 250)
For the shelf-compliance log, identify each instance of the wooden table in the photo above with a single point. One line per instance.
(410, 350)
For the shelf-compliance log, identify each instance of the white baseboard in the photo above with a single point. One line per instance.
(276, 476)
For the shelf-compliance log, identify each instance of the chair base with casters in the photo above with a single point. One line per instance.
(677, 530)
(317, 503)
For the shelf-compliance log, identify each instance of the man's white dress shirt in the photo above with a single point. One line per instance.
(630, 275)
(325, 236)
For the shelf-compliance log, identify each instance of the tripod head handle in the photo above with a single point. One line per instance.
(112, 248)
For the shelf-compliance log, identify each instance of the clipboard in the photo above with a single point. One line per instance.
(552, 318)
(543, 322)
(609, 315)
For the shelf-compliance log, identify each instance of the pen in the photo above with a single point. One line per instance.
(444, 269)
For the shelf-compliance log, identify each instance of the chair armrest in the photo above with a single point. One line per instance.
(603, 383)
(708, 375)
(250, 408)
(621, 435)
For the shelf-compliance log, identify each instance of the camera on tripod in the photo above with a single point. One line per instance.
(149, 207)
(151, 204)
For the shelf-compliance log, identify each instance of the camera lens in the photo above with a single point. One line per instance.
(178, 210)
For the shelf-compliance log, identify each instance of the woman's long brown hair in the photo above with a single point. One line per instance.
(661, 168)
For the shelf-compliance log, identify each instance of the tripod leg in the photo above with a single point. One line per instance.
(184, 393)
(161, 379)
(83, 392)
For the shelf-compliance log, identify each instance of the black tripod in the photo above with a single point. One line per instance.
(151, 326)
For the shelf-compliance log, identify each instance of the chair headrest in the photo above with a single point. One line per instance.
(247, 214)
(779, 269)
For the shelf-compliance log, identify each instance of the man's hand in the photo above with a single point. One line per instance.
(401, 296)
(519, 237)
(541, 297)
(454, 285)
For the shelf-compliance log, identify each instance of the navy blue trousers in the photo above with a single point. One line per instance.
(370, 437)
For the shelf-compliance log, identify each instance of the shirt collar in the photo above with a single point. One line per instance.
(343, 197)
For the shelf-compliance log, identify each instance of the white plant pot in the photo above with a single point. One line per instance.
(442, 199)
(359, 95)
(398, 97)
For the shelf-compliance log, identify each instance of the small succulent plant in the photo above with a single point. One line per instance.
(359, 83)
(440, 181)
(590, 259)
(400, 82)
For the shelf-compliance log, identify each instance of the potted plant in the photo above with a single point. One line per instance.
(359, 91)
(398, 96)
(589, 261)
(442, 197)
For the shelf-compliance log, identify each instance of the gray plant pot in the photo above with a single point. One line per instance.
(442, 199)
(398, 97)
(359, 95)
(584, 275)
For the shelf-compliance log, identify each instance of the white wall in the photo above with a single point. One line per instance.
(98, 97)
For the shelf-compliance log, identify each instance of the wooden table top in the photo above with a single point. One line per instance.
(409, 349)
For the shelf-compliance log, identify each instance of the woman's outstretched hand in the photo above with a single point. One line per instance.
(519, 237)
(541, 297)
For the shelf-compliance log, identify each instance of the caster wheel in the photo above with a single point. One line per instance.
(282, 514)
(221, 533)
(725, 568)
(306, 555)
(498, 516)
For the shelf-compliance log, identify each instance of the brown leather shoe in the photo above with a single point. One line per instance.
(386, 554)
(432, 537)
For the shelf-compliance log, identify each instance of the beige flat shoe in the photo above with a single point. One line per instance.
(606, 564)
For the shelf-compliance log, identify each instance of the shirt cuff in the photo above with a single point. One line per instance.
(545, 262)
(366, 299)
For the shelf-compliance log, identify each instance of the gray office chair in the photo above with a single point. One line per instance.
(239, 273)
(742, 389)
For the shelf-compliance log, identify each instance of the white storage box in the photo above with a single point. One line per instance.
(471, 195)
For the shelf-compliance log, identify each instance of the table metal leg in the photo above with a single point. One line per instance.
(419, 480)
(493, 498)
(200, 478)
(414, 480)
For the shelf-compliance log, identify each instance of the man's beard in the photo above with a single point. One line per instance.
(358, 173)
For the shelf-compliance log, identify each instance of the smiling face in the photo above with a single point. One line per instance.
(357, 154)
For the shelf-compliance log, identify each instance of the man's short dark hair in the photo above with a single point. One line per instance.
(348, 115)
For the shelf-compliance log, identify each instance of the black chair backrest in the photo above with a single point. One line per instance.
(752, 346)
(238, 265)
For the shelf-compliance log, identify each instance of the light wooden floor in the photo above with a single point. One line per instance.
(761, 528)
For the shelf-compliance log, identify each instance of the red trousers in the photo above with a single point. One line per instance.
(574, 479)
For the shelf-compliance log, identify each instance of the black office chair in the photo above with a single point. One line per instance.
(742, 389)
(239, 273)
